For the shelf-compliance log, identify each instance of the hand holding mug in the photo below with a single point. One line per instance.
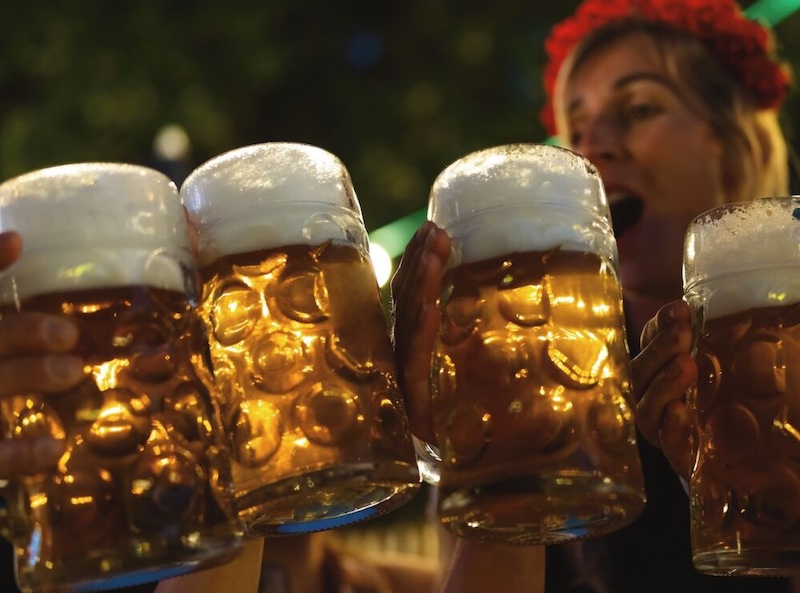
(661, 374)
(35, 356)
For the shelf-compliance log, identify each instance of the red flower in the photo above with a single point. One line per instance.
(743, 46)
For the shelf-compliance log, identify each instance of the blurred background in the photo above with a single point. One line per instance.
(397, 90)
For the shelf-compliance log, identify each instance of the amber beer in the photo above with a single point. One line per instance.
(143, 490)
(531, 392)
(531, 379)
(322, 370)
(299, 342)
(742, 281)
(142, 464)
(746, 488)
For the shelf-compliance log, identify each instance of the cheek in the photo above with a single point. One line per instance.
(686, 173)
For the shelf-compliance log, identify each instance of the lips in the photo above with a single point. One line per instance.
(625, 213)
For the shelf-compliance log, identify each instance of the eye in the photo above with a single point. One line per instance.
(642, 111)
(574, 133)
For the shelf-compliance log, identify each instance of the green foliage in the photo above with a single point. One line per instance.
(396, 89)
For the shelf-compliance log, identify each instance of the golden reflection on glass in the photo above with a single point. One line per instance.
(38, 500)
(106, 374)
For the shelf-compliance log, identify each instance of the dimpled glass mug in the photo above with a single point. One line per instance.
(530, 377)
(299, 341)
(143, 490)
(742, 282)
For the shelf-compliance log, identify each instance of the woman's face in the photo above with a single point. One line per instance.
(660, 163)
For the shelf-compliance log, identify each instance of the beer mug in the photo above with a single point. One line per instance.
(742, 282)
(531, 392)
(299, 341)
(143, 490)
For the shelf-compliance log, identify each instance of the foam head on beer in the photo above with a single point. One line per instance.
(743, 256)
(522, 197)
(93, 225)
(270, 195)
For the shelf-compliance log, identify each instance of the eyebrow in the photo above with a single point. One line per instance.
(625, 81)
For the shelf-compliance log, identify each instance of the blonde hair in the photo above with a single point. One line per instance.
(755, 151)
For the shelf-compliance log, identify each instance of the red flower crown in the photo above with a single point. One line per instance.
(744, 46)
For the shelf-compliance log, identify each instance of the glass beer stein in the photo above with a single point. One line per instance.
(530, 378)
(299, 341)
(742, 282)
(143, 490)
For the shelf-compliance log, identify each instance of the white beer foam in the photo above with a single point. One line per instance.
(750, 289)
(745, 258)
(522, 197)
(270, 195)
(93, 225)
(513, 229)
(278, 225)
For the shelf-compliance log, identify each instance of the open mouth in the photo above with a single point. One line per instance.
(625, 213)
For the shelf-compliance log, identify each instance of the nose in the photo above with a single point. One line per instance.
(600, 138)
